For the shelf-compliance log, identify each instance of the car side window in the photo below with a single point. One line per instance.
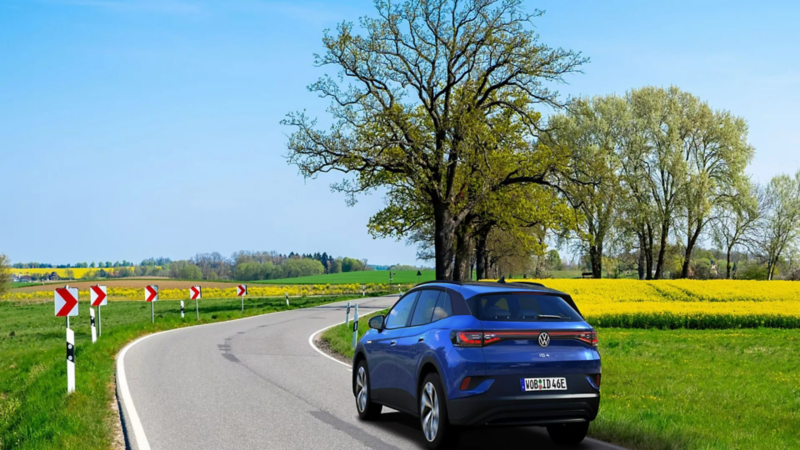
(424, 309)
(444, 307)
(398, 316)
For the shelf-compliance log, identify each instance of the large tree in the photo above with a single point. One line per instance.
(717, 153)
(5, 274)
(592, 130)
(779, 226)
(735, 217)
(419, 87)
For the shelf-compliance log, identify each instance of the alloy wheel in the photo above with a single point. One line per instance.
(430, 412)
(361, 389)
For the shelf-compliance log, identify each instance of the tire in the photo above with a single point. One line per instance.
(367, 409)
(568, 433)
(436, 428)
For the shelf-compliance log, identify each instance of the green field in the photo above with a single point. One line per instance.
(690, 389)
(362, 277)
(35, 410)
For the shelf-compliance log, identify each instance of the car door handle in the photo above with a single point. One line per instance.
(394, 342)
(421, 338)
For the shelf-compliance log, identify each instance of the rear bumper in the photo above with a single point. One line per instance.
(519, 410)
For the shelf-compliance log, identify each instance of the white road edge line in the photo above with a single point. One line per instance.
(311, 343)
(122, 381)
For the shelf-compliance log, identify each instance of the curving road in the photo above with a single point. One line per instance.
(258, 383)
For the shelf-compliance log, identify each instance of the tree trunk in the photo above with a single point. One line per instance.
(481, 257)
(640, 266)
(728, 265)
(596, 260)
(464, 248)
(662, 251)
(444, 233)
(648, 253)
(687, 258)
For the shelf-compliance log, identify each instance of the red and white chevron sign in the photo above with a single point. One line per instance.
(98, 295)
(66, 300)
(151, 293)
(196, 293)
(241, 290)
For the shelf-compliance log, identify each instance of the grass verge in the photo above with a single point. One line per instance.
(340, 337)
(689, 389)
(35, 410)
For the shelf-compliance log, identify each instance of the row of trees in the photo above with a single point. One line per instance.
(80, 265)
(440, 104)
(242, 265)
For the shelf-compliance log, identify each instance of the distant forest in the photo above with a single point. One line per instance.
(244, 265)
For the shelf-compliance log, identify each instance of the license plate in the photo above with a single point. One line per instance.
(543, 384)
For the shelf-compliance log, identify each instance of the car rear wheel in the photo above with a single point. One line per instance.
(568, 433)
(433, 414)
(367, 410)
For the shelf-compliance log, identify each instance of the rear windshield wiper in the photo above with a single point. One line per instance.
(549, 316)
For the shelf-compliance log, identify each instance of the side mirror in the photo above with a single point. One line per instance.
(376, 323)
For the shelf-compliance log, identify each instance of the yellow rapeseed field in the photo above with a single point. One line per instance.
(266, 290)
(76, 272)
(684, 303)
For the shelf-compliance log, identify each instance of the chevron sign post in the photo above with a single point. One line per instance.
(66, 302)
(99, 298)
(241, 291)
(196, 293)
(151, 296)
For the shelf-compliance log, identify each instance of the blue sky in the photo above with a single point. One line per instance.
(131, 129)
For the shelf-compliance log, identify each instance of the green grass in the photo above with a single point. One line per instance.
(700, 389)
(689, 389)
(340, 337)
(35, 410)
(362, 277)
(18, 284)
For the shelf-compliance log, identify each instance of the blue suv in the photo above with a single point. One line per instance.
(481, 354)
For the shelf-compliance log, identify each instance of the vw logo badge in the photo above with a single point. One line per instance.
(544, 339)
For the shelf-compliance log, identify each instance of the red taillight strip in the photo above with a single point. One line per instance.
(480, 339)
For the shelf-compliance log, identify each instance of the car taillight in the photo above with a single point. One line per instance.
(482, 339)
(468, 338)
(589, 337)
(597, 380)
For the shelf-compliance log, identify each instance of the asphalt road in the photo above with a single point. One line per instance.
(258, 383)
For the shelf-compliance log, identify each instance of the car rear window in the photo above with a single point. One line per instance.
(522, 307)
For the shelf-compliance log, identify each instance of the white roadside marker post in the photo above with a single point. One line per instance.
(363, 290)
(94, 329)
(70, 360)
(287, 298)
(181, 309)
(355, 326)
(347, 315)
(66, 304)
